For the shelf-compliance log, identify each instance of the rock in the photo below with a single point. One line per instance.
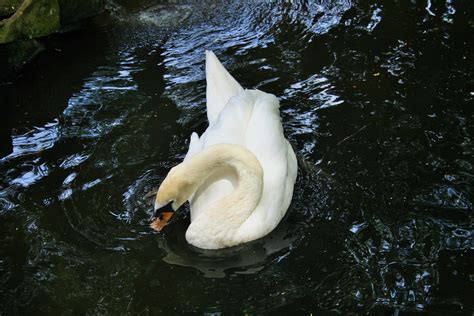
(34, 18)
(25, 20)
(73, 11)
(8, 7)
(37, 18)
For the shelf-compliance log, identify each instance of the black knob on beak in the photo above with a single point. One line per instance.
(164, 209)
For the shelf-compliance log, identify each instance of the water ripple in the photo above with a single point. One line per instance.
(375, 98)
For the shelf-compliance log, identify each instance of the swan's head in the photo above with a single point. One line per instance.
(173, 192)
(175, 189)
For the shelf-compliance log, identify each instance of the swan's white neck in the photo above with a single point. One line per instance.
(216, 226)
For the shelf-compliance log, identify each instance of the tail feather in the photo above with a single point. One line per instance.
(221, 86)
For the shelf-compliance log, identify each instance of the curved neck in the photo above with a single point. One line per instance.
(230, 212)
(203, 165)
(216, 225)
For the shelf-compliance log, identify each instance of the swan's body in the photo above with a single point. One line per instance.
(239, 175)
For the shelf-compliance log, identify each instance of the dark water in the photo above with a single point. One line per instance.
(376, 97)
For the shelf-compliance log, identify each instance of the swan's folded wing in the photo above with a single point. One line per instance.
(231, 125)
(264, 134)
(265, 138)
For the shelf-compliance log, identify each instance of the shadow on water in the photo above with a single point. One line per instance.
(375, 97)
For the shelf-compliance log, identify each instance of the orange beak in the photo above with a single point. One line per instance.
(161, 221)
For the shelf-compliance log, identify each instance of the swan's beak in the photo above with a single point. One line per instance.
(162, 216)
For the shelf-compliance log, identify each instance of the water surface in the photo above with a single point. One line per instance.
(376, 98)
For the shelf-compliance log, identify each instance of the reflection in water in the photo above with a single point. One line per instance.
(374, 96)
(244, 259)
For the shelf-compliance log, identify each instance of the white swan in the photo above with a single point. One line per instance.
(239, 175)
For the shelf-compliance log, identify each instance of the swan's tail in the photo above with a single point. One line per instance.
(221, 86)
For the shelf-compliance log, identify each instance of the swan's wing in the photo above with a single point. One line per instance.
(265, 138)
(221, 86)
(231, 125)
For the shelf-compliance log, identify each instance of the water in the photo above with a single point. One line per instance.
(375, 97)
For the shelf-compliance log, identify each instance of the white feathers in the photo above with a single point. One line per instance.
(251, 119)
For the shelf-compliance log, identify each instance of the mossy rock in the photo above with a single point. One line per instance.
(34, 18)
